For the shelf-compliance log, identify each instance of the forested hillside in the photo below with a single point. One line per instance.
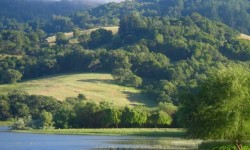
(163, 47)
(233, 13)
(30, 10)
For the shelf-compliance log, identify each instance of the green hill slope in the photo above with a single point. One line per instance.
(96, 87)
(70, 37)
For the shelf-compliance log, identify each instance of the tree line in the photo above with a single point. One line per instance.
(32, 111)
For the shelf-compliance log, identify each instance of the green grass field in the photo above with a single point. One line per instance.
(96, 87)
(73, 40)
(159, 132)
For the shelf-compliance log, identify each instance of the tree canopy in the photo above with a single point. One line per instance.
(219, 106)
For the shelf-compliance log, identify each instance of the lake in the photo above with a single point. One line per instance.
(26, 141)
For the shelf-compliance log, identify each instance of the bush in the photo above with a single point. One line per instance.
(11, 76)
(219, 145)
(230, 147)
(81, 97)
(126, 77)
(19, 125)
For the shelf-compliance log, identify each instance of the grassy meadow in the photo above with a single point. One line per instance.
(244, 37)
(96, 87)
(72, 40)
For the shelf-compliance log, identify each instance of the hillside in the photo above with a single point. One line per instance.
(29, 10)
(165, 50)
(70, 37)
(233, 13)
(96, 87)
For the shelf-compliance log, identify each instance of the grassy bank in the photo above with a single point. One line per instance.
(6, 123)
(159, 132)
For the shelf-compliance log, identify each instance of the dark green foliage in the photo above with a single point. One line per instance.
(111, 117)
(134, 117)
(220, 145)
(42, 10)
(84, 40)
(99, 37)
(81, 97)
(126, 77)
(4, 109)
(236, 49)
(61, 39)
(85, 114)
(219, 107)
(39, 112)
(160, 119)
(11, 76)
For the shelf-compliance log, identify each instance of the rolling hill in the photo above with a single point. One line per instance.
(96, 87)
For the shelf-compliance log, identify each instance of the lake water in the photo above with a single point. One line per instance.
(25, 141)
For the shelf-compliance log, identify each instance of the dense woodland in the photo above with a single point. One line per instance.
(166, 48)
(38, 112)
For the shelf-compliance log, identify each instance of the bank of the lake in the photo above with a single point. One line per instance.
(157, 132)
(6, 123)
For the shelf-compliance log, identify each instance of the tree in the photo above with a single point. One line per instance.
(46, 119)
(159, 38)
(64, 117)
(61, 39)
(126, 77)
(160, 119)
(76, 32)
(220, 107)
(100, 37)
(112, 117)
(86, 114)
(84, 40)
(134, 117)
(20, 110)
(81, 97)
(11, 76)
(4, 109)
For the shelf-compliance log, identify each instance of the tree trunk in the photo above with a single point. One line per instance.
(238, 146)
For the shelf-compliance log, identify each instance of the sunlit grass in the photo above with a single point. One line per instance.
(96, 87)
(72, 40)
(244, 37)
(159, 132)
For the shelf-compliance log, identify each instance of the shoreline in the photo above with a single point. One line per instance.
(150, 132)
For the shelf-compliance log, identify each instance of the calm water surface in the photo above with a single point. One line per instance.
(25, 141)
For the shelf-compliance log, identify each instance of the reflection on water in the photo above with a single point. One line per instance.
(156, 143)
(24, 141)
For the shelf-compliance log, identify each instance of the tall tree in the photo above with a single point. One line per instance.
(220, 107)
